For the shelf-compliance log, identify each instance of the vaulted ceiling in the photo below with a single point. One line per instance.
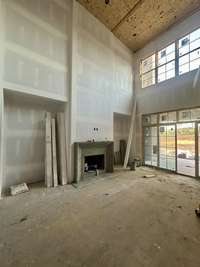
(136, 22)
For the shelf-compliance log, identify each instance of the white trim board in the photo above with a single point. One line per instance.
(12, 87)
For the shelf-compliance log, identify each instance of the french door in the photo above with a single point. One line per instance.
(186, 160)
(174, 147)
(167, 147)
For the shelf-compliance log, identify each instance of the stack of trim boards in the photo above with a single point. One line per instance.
(55, 150)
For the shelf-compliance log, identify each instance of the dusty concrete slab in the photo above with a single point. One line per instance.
(117, 220)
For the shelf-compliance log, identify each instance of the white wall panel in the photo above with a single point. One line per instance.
(35, 58)
(38, 60)
(121, 130)
(24, 138)
(2, 32)
(38, 44)
(103, 80)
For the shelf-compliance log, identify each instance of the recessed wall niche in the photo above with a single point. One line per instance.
(24, 137)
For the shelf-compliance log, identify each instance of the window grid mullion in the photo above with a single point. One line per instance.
(166, 63)
(176, 60)
(156, 69)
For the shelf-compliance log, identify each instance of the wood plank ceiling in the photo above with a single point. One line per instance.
(136, 22)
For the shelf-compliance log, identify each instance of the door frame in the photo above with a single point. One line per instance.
(195, 147)
(158, 124)
(167, 124)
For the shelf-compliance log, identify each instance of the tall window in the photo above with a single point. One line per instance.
(147, 71)
(166, 63)
(189, 52)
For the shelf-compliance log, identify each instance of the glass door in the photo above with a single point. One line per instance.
(186, 148)
(167, 147)
(150, 146)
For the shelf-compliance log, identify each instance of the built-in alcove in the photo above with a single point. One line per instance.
(121, 126)
(24, 137)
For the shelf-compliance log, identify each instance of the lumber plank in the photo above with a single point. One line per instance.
(128, 148)
(54, 153)
(48, 151)
(62, 153)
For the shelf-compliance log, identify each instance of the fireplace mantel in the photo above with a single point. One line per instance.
(82, 149)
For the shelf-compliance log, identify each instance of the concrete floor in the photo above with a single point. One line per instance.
(119, 220)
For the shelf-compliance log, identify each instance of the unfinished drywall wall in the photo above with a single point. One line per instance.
(35, 59)
(171, 94)
(121, 126)
(1, 135)
(1, 92)
(40, 55)
(103, 78)
(37, 45)
(24, 137)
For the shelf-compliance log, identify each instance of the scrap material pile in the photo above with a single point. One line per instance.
(197, 211)
(55, 150)
(18, 189)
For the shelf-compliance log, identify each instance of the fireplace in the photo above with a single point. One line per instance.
(93, 163)
(92, 156)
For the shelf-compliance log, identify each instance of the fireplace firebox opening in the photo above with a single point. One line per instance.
(93, 163)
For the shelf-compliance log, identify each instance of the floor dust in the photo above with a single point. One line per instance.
(113, 220)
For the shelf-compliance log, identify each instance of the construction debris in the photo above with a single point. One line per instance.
(48, 151)
(23, 219)
(18, 189)
(130, 137)
(122, 150)
(149, 176)
(55, 150)
(54, 153)
(75, 185)
(197, 211)
(132, 165)
(62, 154)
